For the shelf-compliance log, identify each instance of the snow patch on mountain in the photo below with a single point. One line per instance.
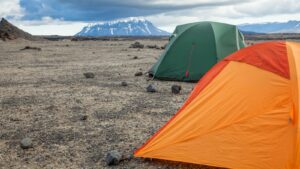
(272, 27)
(123, 27)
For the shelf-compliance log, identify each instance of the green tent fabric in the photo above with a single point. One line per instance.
(194, 48)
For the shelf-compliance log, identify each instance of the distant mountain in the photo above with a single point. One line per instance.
(272, 27)
(126, 27)
(250, 33)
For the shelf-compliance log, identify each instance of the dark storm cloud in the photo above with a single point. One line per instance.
(91, 10)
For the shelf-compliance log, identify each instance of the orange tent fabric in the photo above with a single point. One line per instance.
(243, 114)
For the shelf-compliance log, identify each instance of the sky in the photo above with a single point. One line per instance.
(67, 17)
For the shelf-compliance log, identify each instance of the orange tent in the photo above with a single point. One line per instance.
(242, 114)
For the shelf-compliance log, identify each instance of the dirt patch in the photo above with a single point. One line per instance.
(44, 94)
(17, 101)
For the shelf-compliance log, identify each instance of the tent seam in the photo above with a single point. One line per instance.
(167, 51)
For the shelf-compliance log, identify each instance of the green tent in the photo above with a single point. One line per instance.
(194, 48)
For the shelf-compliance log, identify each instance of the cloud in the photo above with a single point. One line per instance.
(255, 11)
(269, 7)
(67, 29)
(50, 16)
(46, 20)
(11, 9)
(93, 10)
(50, 26)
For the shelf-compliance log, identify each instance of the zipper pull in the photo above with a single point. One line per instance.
(187, 73)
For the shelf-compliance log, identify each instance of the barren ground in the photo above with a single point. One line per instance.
(44, 95)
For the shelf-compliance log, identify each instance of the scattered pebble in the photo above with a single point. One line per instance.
(14, 119)
(26, 143)
(124, 83)
(135, 57)
(89, 75)
(176, 89)
(138, 74)
(137, 45)
(153, 47)
(83, 118)
(32, 48)
(128, 157)
(113, 158)
(151, 89)
(163, 47)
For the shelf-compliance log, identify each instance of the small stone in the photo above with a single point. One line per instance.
(14, 119)
(176, 89)
(137, 45)
(152, 46)
(138, 74)
(135, 57)
(128, 157)
(31, 48)
(26, 143)
(124, 84)
(151, 89)
(113, 158)
(89, 75)
(163, 47)
(84, 117)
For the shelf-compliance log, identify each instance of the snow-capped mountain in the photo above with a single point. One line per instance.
(125, 27)
(272, 27)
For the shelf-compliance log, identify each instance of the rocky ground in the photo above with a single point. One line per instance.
(74, 121)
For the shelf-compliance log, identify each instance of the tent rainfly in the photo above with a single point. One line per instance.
(194, 48)
(244, 113)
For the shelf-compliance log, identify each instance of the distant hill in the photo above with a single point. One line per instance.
(9, 32)
(272, 27)
(126, 27)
